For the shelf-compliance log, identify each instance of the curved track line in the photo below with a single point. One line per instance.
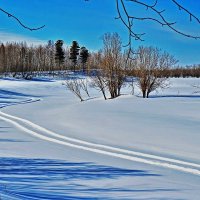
(99, 151)
(35, 126)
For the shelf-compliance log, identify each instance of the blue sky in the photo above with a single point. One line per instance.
(86, 22)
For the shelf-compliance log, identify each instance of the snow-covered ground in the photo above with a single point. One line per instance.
(54, 147)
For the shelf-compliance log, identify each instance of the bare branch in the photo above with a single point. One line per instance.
(127, 19)
(99, 82)
(165, 21)
(84, 86)
(19, 21)
(128, 24)
(152, 19)
(187, 11)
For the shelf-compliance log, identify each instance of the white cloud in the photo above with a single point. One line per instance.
(12, 37)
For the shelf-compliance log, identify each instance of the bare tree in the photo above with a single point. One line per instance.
(2, 58)
(150, 65)
(94, 61)
(112, 63)
(22, 60)
(111, 66)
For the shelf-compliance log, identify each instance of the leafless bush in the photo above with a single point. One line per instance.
(75, 87)
(197, 88)
(99, 82)
(84, 86)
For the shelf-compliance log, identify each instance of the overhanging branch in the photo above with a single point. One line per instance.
(128, 18)
(19, 21)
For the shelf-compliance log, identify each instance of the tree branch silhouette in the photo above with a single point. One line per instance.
(19, 21)
(127, 18)
(187, 11)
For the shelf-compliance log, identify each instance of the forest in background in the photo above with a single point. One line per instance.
(22, 60)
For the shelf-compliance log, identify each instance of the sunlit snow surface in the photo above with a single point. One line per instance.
(166, 125)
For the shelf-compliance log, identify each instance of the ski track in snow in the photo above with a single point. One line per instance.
(47, 135)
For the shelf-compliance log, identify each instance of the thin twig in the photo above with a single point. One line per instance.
(187, 11)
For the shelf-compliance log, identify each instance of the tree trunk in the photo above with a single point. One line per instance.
(104, 95)
(118, 91)
(144, 93)
(148, 92)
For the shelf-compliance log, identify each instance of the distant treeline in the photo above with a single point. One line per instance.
(187, 71)
(20, 59)
(177, 72)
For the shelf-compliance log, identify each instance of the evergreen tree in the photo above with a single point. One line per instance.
(84, 54)
(74, 52)
(59, 55)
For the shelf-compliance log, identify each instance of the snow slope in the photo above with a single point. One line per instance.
(158, 137)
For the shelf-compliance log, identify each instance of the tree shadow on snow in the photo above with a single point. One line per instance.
(46, 80)
(35, 79)
(40, 179)
(9, 98)
(12, 94)
(12, 140)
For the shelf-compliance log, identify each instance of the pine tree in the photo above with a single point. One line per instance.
(84, 54)
(59, 55)
(74, 52)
